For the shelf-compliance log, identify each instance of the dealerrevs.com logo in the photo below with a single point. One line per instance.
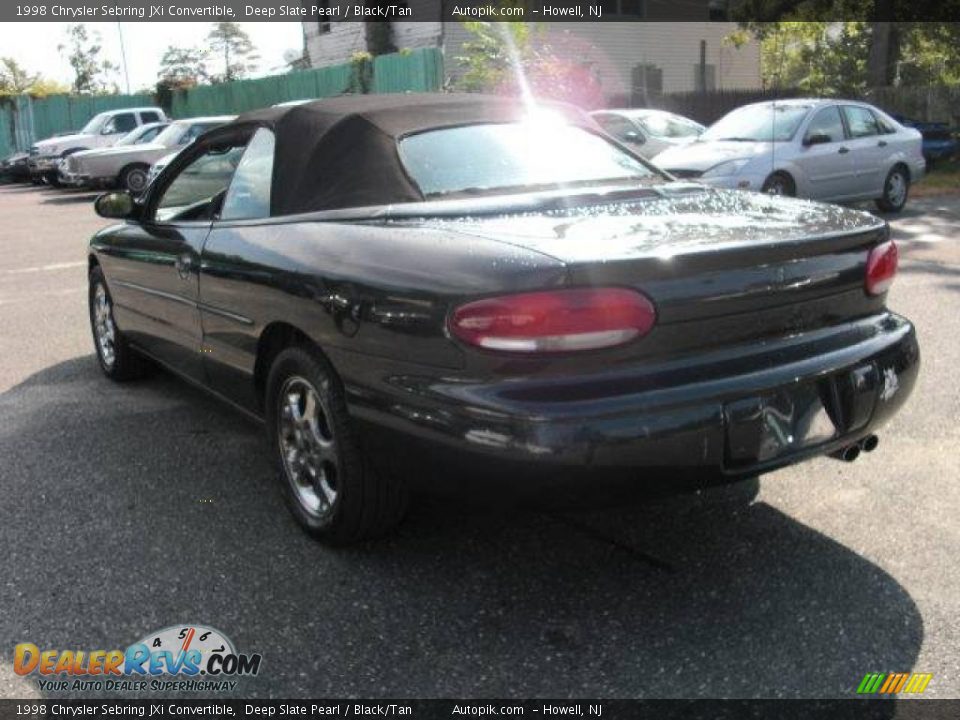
(177, 658)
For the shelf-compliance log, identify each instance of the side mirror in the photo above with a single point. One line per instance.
(115, 205)
(817, 139)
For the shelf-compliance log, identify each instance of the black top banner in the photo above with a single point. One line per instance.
(487, 10)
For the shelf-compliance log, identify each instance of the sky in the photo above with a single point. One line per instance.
(34, 46)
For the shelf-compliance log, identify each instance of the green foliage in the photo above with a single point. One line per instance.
(834, 58)
(16, 80)
(183, 67)
(239, 54)
(361, 72)
(91, 72)
(519, 58)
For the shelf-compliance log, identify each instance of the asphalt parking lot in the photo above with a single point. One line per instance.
(127, 509)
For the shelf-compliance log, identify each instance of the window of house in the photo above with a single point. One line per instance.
(631, 8)
(323, 24)
(861, 121)
(249, 194)
(647, 80)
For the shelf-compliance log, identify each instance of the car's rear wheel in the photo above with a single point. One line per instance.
(330, 485)
(117, 359)
(896, 189)
(133, 178)
(779, 183)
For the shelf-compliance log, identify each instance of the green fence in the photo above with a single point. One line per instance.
(24, 120)
(414, 71)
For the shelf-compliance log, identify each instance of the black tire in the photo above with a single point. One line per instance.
(896, 190)
(123, 362)
(133, 178)
(331, 486)
(53, 180)
(779, 183)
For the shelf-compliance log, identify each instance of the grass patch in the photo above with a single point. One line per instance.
(943, 179)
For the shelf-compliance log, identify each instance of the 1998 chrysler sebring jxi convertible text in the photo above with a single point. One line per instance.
(496, 284)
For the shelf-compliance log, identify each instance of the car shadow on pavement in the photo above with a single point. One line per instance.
(129, 508)
(70, 198)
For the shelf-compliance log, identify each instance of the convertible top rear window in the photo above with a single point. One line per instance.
(501, 157)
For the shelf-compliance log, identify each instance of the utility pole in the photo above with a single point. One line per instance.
(123, 57)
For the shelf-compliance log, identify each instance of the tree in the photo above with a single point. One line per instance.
(91, 73)
(839, 58)
(183, 67)
(239, 54)
(517, 58)
(15, 80)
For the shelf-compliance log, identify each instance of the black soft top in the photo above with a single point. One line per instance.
(342, 152)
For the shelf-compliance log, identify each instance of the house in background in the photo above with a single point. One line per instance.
(632, 59)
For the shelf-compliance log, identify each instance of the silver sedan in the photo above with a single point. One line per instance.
(834, 150)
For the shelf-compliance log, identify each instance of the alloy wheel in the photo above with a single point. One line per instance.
(896, 189)
(104, 327)
(307, 446)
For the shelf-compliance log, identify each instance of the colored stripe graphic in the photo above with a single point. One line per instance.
(893, 683)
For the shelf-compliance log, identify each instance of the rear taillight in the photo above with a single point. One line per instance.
(554, 321)
(881, 267)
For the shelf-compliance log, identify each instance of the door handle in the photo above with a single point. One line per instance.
(184, 265)
(882, 143)
(843, 150)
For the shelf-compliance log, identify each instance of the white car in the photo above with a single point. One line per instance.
(127, 165)
(103, 130)
(836, 150)
(648, 132)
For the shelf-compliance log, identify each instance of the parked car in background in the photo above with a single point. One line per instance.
(834, 150)
(459, 279)
(648, 131)
(103, 130)
(138, 136)
(15, 168)
(939, 142)
(127, 164)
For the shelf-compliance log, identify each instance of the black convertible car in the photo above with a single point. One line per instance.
(452, 277)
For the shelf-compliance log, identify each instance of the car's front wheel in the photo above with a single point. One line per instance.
(330, 485)
(779, 183)
(117, 359)
(896, 188)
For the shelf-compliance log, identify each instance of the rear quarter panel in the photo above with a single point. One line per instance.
(370, 290)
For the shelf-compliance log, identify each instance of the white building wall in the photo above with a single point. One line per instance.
(613, 49)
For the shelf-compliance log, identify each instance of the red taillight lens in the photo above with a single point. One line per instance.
(881, 267)
(555, 321)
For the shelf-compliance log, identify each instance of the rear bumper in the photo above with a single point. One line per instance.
(737, 412)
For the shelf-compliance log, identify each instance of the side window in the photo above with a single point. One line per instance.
(249, 194)
(149, 135)
(196, 193)
(886, 127)
(192, 133)
(861, 121)
(149, 117)
(826, 122)
(122, 123)
(620, 128)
